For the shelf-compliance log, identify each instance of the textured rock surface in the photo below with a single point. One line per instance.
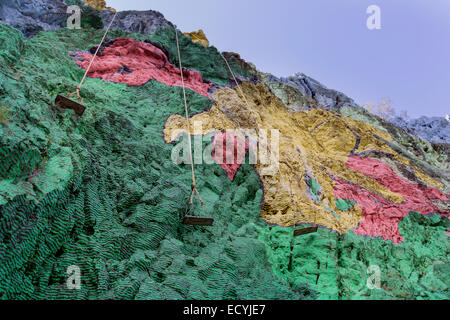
(433, 129)
(143, 22)
(313, 89)
(102, 192)
(98, 4)
(381, 217)
(336, 266)
(314, 145)
(230, 155)
(198, 37)
(31, 16)
(195, 56)
(288, 94)
(432, 158)
(241, 63)
(118, 216)
(134, 63)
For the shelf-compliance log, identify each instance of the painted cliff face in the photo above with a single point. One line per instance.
(98, 4)
(324, 158)
(135, 63)
(102, 192)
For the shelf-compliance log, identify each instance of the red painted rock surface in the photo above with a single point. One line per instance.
(135, 63)
(232, 157)
(380, 216)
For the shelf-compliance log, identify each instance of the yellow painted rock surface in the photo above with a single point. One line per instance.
(98, 4)
(313, 144)
(294, 100)
(198, 37)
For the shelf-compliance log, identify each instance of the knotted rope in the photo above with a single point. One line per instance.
(77, 92)
(194, 184)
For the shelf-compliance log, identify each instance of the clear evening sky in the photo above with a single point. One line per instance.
(408, 60)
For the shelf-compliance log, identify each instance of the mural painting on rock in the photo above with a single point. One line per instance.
(103, 194)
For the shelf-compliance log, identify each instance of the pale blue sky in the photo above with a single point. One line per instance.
(408, 60)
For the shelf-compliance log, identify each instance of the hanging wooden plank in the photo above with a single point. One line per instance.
(66, 103)
(305, 231)
(198, 221)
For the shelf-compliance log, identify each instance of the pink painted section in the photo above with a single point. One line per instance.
(380, 216)
(230, 160)
(135, 63)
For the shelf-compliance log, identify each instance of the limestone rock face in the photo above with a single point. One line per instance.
(133, 62)
(313, 89)
(107, 191)
(322, 157)
(144, 22)
(198, 37)
(241, 62)
(98, 4)
(288, 94)
(32, 16)
(433, 129)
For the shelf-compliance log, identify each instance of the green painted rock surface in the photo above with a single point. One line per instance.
(101, 193)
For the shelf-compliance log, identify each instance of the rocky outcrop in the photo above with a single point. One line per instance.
(433, 129)
(32, 16)
(230, 159)
(98, 4)
(313, 89)
(381, 217)
(105, 193)
(240, 62)
(144, 22)
(125, 60)
(327, 153)
(198, 37)
(288, 94)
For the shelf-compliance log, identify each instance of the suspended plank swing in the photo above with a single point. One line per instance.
(198, 221)
(65, 102)
(191, 220)
(305, 231)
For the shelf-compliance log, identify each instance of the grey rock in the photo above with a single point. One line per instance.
(313, 89)
(433, 129)
(144, 22)
(32, 16)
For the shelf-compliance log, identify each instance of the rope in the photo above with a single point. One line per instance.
(235, 80)
(282, 178)
(77, 92)
(194, 184)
